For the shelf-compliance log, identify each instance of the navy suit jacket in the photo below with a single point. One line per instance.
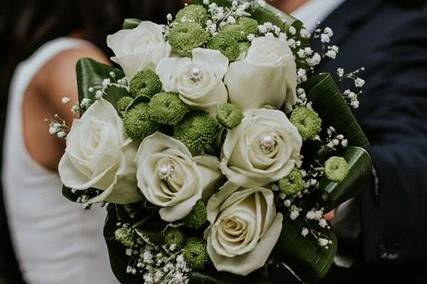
(391, 43)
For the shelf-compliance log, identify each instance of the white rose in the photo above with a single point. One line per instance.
(267, 76)
(170, 177)
(264, 148)
(198, 80)
(99, 156)
(135, 49)
(244, 228)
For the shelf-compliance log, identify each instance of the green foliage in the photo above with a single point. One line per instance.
(307, 121)
(328, 102)
(174, 236)
(126, 236)
(167, 108)
(145, 83)
(227, 43)
(192, 14)
(130, 23)
(230, 115)
(292, 184)
(91, 74)
(196, 131)
(124, 103)
(303, 254)
(138, 124)
(195, 253)
(184, 37)
(197, 217)
(242, 28)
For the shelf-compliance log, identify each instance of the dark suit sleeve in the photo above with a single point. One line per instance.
(394, 219)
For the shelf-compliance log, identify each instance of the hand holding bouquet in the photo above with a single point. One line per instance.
(216, 146)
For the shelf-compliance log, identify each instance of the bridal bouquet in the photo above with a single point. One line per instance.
(216, 147)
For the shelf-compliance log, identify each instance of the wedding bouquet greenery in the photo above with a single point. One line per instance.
(216, 147)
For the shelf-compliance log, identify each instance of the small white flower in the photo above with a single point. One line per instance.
(304, 232)
(324, 38)
(323, 242)
(65, 100)
(323, 223)
(359, 83)
(328, 31)
(340, 72)
(331, 54)
(292, 30)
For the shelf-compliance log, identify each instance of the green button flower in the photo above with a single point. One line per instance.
(336, 169)
(307, 121)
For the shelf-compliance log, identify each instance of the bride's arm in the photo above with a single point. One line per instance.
(43, 99)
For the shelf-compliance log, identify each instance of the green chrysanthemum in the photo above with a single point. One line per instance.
(197, 131)
(138, 124)
(124, 103)
(192, 14)
(229, 115)
(174, 236)
(307, 121)
(243, 28)
(195, 253)
(292, 184)
(145, 83)
(227, 44)
(197, 217)
(167, 108)
(126, 236)
(184, 37)
(336, 169)
(244, 46)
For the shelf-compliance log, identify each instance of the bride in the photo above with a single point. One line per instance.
(55, 241)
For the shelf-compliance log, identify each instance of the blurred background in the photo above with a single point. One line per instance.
(25, 26)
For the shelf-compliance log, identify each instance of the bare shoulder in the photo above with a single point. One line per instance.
(58, 75)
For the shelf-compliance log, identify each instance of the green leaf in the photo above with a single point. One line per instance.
(360, 171)
(91, 74)
(74, 195)
(303, 254)
(130, 23)
(331, 106)
(116, 251)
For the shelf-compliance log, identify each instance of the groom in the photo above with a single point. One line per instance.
(383, 232)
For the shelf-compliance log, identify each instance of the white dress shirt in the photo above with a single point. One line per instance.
(315, 11)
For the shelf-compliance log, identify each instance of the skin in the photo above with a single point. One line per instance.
(43, 99)
(288, 6)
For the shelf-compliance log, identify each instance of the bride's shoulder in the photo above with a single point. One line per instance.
(58, 73)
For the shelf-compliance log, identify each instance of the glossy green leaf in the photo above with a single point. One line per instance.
(75, 195)
(303, 254)
(91, 74)
(331, 106)
(360, 172)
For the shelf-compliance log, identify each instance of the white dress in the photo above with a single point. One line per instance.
(56, 241)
